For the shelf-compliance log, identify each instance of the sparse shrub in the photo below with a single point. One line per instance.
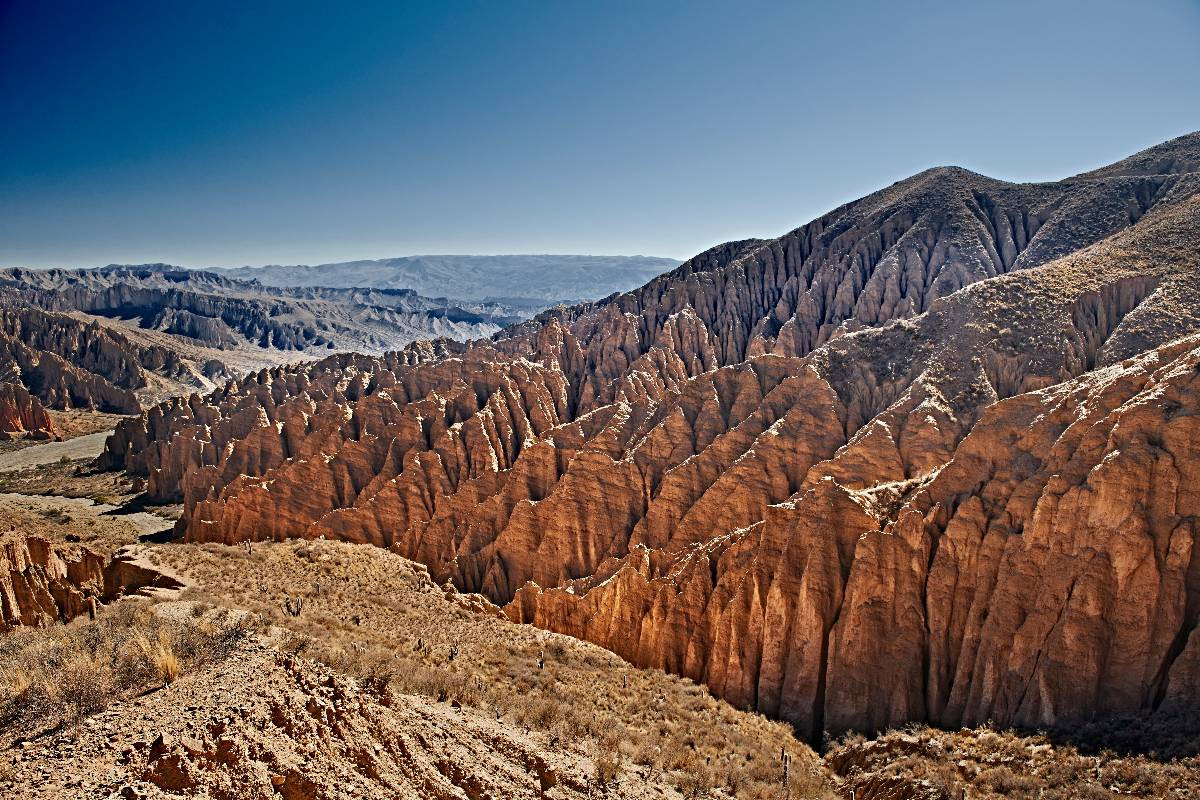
(59, 674)
(160, 652)
(695, 779)
(648, 753)
(15, 683)
(376, 675)
(84, 685)
(536, 711)
(606, 763)
(1004, 781)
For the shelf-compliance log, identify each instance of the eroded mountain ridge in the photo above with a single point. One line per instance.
(927, 457)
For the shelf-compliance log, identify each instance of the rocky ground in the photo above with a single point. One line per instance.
(270, 724)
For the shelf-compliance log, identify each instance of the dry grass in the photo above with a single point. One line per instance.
(1006, 764)
(160, 653)
(380, 618)
(60, 675)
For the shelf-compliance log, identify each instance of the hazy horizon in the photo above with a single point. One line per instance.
(354, 260)
(321, 137)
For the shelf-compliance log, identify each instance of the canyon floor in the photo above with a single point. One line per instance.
(323, 669)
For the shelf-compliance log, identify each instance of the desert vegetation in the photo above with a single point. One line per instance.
(379, 618)
(57, 676)
(1118, 758)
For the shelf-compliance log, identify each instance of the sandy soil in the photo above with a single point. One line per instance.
(100, 526)
(80, 447)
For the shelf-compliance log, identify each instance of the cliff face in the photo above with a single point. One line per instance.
(42, 582)
(913, 461)
(69, 363)
(20, 412)
(1048, 573)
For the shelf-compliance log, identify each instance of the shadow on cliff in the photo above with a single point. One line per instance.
(144, 503)
(1162, 736)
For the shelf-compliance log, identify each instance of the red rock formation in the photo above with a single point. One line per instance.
(67, 363)
(840, 476)
(20, 412)
(42, 582)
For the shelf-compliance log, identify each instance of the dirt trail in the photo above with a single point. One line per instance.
(88, 446)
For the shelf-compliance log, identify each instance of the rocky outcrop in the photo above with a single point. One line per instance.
(884, 468)
(42, 582)
(225, 314)
(20, 412)
(69, 363)
(1048, 573)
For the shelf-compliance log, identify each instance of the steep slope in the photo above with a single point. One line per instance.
(68, 363)
(739, 472)
(1175, 157)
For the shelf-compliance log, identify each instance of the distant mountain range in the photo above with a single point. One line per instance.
(531, 281)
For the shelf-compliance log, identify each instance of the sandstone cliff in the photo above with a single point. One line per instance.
(68, 363)
(20, 412)
(925, 458)
(42, 582)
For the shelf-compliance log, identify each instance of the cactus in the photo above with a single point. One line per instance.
(292, 609)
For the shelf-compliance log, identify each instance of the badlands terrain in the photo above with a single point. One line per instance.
(117, 338)
(901, 502)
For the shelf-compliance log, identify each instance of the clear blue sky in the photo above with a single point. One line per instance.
(211, 133)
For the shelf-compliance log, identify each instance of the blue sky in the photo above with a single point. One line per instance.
(246, 133)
